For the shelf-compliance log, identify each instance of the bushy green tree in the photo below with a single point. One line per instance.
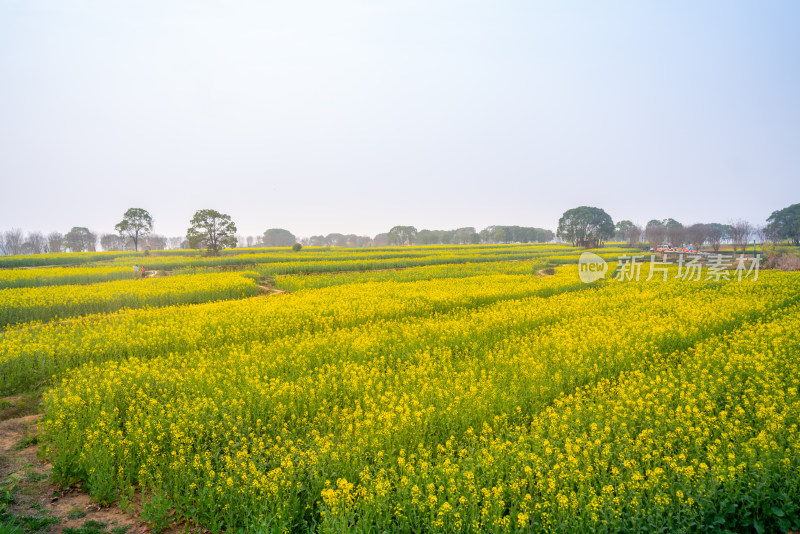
(212, 229)
(621, 230)
(135, 223)
(785, 223)
(402, 235)
(80, 239)
(585, 226)
(278, 237)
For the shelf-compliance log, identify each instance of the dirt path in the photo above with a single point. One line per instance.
(267, 288)
(32, 503)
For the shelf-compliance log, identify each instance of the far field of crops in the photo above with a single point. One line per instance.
(413, 389)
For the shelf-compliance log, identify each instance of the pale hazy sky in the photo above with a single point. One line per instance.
(354, 117)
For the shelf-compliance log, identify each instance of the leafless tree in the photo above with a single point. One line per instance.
(697, 234)
(766, 237)
(769, 234)
(714, 236)
(154, 242)
(249, 241)
(633, 234)
(676, 234)
(55, 242)
(380, 240)
(12, 241)
(36, 243)
(740, 232)
(760, 232)
(656, 233)
(111, 242)
(174, 242)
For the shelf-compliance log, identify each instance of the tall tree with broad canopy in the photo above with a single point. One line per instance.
(335, 239)
(585, 226)
(785, 224)
(279, 237)
(621, 229)
(212, 229)
(80, 239)
(135, 223)
(402, 235)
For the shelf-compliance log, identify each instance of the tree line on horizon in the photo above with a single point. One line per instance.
(581, 226)
(589, 226)
(214, 231)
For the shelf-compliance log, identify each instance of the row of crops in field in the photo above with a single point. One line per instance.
(60, 276)
(283, 261)
(34, 353)
(481, 391)
(325, 260)
(29, 294)
(245, 255)
(45, 303)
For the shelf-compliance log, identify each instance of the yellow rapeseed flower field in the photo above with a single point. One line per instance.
(57, 276)
(454, 397)
(20, 305)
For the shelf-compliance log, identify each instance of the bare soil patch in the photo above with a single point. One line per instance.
(30, 502)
